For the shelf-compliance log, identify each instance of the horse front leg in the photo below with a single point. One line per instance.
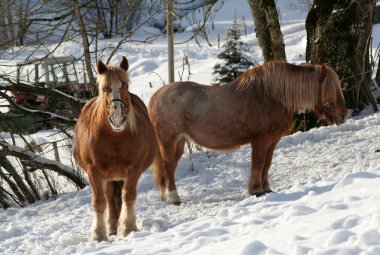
(99, 232)
(127, 219)
(255, 185)
(268, 163)
(265, 173)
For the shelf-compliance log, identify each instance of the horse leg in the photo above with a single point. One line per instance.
(113, 195)
(268, 163)
(255, 187)
(170, 154)
(99, 204)
(127, 220)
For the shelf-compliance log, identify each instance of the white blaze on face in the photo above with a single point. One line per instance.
(117, 121)
(117, 115)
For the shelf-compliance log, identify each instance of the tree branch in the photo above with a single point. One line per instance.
(37, 162)
(47, 116)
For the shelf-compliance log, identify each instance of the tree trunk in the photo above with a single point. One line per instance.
(11, 25)
(3, 28)
(377, 78)
(170, 34)
(338, 33)
(268, 31)
(86, 44)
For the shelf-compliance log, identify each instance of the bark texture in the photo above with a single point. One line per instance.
(339, 34)
(268, 31)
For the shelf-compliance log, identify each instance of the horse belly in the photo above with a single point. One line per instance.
(113, 168)
(219, 141)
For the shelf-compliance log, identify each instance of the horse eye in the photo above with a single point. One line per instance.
(106, 90)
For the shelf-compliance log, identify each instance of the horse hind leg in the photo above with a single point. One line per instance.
(99, 232)
(114, 202)
(171, 153)
(171, 191)
(158, 174)
(127, 219)
(268, 163)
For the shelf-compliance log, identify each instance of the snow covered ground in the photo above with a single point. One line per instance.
(326, 201)
(326, 181)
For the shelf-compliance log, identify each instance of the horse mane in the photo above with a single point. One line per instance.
(113, 74)
(295, 86)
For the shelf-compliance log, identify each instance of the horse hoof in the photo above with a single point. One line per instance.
(112, 229)
(127, 232)
(177, 203)
(173, 198)
(258, 194)
(268, 191)
(98, 237)
(112, 232)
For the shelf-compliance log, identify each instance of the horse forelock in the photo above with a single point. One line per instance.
(331, 90)
(113, 75)
(295, 86)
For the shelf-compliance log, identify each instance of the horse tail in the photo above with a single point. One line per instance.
(158, 174)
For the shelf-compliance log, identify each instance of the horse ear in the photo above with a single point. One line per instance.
(124, 63)
(101, 67)
(323, 72)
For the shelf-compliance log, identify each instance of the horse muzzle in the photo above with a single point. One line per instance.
(119, 123)
(339, 119)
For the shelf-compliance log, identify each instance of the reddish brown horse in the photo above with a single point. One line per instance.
(257, 108)
(114, 142)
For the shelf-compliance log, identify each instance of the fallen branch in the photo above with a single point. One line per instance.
(37, 162)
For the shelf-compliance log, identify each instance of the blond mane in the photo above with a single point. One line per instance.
(295, 86)
(112, 75)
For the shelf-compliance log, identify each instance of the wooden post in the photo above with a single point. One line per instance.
(56, 154)
(36, 74)
(170, 34)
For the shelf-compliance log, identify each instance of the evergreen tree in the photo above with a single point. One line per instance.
(235, 59)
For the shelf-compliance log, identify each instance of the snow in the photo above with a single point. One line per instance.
(326, 181)
(326, 201)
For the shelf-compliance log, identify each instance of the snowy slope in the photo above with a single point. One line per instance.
(326, 181)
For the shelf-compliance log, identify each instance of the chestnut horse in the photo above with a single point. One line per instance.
(257, 108)
(114, 143)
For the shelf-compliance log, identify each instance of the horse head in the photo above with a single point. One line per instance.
(332, 106)
(113, 89)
